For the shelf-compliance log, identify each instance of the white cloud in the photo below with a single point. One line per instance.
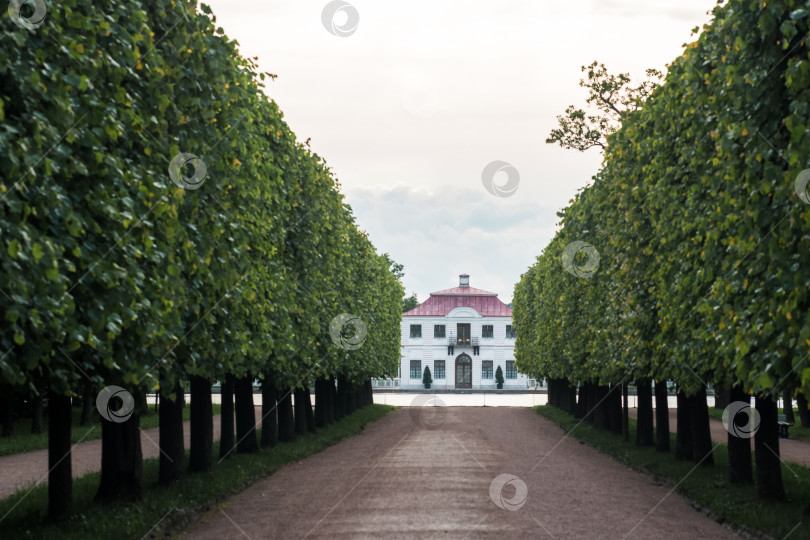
(409, 109)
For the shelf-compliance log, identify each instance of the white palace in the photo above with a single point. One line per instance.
(463, 334)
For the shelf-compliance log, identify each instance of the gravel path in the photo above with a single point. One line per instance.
(400, 480)
(23, 471)
(793, 450)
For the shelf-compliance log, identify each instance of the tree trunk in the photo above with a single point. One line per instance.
(321, 393)
(60, 477)
(601, 416)
(330, 401)
(7, 412)
(701, 430)
(301, 403)
(739, 448)
(644, 422)
(286, 424)
(201, 455)
(683, 435)
(269, 422)
(804, 412)
(121, 460)
(172, 464)
(340, 401)
(310, 415)
(370, 393)
(36, 414)
(246, 438)
(766, 444)
(625, 413)
(615, 407)
(722, 397)
(662, 443)
(87, 405)
(226, 439)
(787, 405)
(145, 404)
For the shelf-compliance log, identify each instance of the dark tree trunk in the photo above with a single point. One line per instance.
(145, 404)
(644, 422)
(226, 423)
(342, 391)
(321, 398)
(301, 403)
(570, 397)
(625, 413)
(701, 430)
(766, 444)
(269, 412)
(337, 403)
(370, 393)
(358, 396)
(36, 414)
(661, 416)
(601, 415)
(330, 401)
(201, 455)
(615, 407)
(739, 448)
(722, 397)
(683, 435)
(172, 464)
(7, 413)
(286, 425)
(246, 438)
(60, 477)
(787, 405)
(349, 398)
(121, 460)
(804, 412)
(87, 405)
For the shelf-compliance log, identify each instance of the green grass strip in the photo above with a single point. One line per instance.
(707, 488)
(178, 505)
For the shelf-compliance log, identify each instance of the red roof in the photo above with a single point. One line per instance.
(443, 302)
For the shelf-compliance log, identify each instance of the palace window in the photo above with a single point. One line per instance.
(416, 330)
(416, 369)
(438, 369)
(438, 330)
(510, 331)
(486, 331)
(486, 369)
(511, 372)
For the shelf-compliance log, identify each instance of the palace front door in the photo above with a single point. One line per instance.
(463, 371)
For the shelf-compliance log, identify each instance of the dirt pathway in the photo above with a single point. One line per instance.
(23, 471)
(793, 450)
(399, 480)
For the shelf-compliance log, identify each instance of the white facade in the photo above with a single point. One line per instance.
(465, 365)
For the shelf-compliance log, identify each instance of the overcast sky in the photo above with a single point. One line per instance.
(409, 108)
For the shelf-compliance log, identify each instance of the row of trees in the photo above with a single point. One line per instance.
(161, 226)
(693, 254)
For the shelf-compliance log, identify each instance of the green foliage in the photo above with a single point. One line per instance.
(426, 377)
(499, 375)
(409, 303)
(112, 272)
(704, 245)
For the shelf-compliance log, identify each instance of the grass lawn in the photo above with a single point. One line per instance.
(24, 441)
(796, 430)
(173, 507)
(708, 487)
